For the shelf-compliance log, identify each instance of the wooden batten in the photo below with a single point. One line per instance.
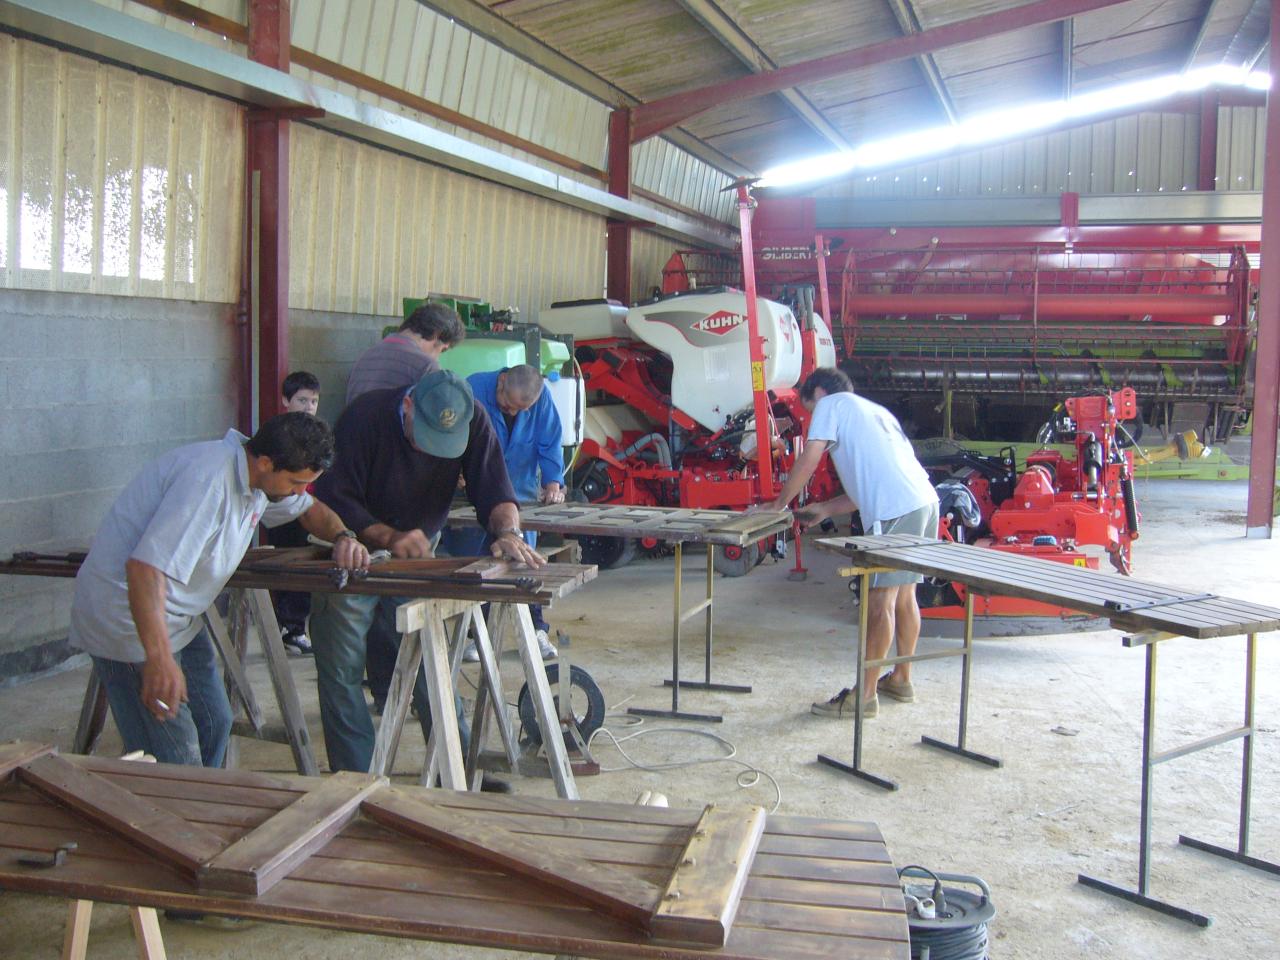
(270, 852)
(173, 840)
(17, 752)
(608, 888)
(701, 898)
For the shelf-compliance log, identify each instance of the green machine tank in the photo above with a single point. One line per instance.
(495, 340)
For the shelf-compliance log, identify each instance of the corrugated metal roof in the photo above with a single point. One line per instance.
(653, 48)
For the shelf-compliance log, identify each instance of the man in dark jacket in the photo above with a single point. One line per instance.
(400, 454)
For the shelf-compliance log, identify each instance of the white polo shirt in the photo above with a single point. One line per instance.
(872, 456)
(191, 514)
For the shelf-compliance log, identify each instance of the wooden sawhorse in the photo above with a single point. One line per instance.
(425, 627)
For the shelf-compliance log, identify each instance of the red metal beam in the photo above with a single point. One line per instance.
(618, 235)
(269, 162)
(658, 115)
(1266, 389)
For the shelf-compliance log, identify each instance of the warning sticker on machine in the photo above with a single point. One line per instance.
(719, 323)
(757, 375)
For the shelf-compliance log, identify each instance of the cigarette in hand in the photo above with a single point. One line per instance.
(162, 705)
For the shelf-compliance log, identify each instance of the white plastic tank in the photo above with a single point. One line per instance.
(586, 319)
(570, 398)
(705, 335)
(826, 353)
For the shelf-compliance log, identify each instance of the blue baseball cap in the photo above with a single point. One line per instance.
(442, 411)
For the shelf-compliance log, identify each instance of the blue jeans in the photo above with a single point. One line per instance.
(341, 625)
(198, 735)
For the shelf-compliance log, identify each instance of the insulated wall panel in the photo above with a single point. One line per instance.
(371, 227)
(114, 182)
(1241, 146)
(649, 254)
(1150, 152)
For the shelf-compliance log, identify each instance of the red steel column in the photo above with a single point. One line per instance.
(755, 346)
(1266, 391)
(618, 245)
(269, 158)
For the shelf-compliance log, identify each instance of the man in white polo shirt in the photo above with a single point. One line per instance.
(884, 482)
(166, 549)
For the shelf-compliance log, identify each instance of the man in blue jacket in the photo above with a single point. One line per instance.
(528, 427)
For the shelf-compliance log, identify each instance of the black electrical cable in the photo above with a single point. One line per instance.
(960, 943)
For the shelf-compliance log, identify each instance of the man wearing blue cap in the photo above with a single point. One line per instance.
(400, 454)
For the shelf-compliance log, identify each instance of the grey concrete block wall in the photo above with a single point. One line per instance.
(93, 387)
(327, 344)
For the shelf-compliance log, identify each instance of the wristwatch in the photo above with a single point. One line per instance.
(516, 530)
(345, 533)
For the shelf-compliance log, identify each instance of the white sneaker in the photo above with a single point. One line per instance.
(545, 646)
(471, 654)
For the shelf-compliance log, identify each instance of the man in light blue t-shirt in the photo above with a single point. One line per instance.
(884, 482)
(164, 552)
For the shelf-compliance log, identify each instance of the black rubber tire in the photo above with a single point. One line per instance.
(581, 685)
(607, 553)
(747, 561)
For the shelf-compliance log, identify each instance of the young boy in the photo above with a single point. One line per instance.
(301, 394)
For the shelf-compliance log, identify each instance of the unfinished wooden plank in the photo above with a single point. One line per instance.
(259, 859)
(747, 522)
(17, 752)
(702, 896)
(172, 839)
(616, 892)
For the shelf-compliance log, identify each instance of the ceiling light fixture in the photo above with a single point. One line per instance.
(1004, 124)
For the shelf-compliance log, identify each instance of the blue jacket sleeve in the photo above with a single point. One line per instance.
(548, 432)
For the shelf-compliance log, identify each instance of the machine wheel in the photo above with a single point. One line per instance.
(607, 553)
(737, 561)
(585, 696)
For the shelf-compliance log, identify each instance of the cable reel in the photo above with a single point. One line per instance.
(946, 923)
(585, 697)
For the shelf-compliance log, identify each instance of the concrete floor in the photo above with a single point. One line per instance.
(1062, 804)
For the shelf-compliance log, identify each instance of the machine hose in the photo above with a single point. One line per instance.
(655, 440)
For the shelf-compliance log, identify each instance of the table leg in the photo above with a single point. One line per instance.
(1241, 853)
(444, 718)
(76, 942)
(707, 608)
(855, 769)
(457, 646)
(677, 621)
(93, 715)
(535, 674)
(395, 710)
(490, 692)
(1140, 895)
(966, 670)
(282, 680)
